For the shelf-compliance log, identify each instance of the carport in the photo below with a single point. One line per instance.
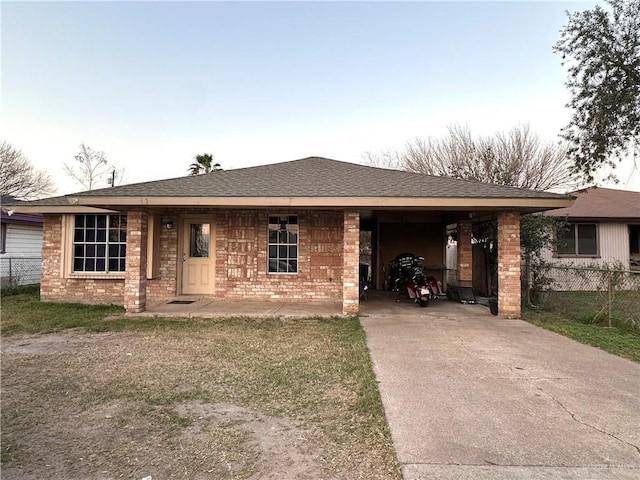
(427, 232)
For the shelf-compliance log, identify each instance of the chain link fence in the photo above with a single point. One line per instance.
(19, 271)
(585, 294)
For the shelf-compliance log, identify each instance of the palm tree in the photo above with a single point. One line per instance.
(203, 164)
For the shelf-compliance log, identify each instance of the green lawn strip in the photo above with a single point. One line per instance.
(25, 313)
(623, 342)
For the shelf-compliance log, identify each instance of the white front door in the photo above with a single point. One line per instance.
(198, 256)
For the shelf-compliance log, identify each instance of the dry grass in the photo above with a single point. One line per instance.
(235, 398)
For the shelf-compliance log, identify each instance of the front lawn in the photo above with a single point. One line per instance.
(86, 394)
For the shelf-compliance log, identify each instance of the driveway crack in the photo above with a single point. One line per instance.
(575, 418)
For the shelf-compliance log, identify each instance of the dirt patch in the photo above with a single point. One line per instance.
(282, 446)
(188, 404)
(56, 344)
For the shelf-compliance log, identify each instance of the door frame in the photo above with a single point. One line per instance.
(196, 218)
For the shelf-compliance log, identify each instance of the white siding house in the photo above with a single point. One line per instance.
(612, 246)
(20, 247)
(604, 228)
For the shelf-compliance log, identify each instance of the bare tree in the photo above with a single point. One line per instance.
(91, 169)
(517, 158)
(19, 178)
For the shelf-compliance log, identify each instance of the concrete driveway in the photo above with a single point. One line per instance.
(471, 396)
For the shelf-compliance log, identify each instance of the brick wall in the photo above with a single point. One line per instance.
(55, 288)
(164, 285)
(241, 260)
(464, 274)
(241, 257)
(509, 264)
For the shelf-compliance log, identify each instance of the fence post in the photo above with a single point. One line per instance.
(10, 274)
(609, 296)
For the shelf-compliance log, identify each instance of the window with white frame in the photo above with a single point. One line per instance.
(283, 244)
(578, 239)
(99, 243)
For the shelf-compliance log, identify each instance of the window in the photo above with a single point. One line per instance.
(634, 239)
(3, 238)
(283, 244)
(99, 243)
(578, 239)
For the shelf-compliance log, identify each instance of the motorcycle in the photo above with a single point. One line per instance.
(418, 288)
(410, 277)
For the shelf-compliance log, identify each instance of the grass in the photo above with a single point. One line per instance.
(22, 312)
(620, 340)
(591, 307)
(145, 396)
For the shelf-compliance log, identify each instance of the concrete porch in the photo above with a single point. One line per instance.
(378, 303)
(209, 307)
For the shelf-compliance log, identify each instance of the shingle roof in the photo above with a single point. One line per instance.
(8, 200)
(51, 201)
(598, 202)
(316, 177)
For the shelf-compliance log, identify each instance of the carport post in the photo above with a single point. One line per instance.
(464, 275)
(351, 263)
(509, 264)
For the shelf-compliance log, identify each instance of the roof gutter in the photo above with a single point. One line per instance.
(343, 202)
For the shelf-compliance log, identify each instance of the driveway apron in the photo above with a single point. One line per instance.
(471, 396)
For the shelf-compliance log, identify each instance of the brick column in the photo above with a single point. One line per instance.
(464, 275)
(135, 283)
(52, 245)
(509, 264)
(351, 263)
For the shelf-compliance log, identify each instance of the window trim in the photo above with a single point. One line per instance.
(68, 226)
(575, 254)
(288, 244)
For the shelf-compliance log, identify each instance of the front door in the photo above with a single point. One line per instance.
(198, 256)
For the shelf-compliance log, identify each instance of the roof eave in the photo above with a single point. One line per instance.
(444, 203)
(51, 209)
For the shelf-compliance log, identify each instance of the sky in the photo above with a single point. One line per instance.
(152, 84)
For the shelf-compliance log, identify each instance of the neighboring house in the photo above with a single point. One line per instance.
(603, 228)
(281, 232)
(20, 245)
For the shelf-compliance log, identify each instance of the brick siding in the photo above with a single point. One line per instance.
(164, 285)
(241, 260)
(241, 257)
(55, 288)
(509, 264)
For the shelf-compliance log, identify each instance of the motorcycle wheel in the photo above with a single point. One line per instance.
(423, 303)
